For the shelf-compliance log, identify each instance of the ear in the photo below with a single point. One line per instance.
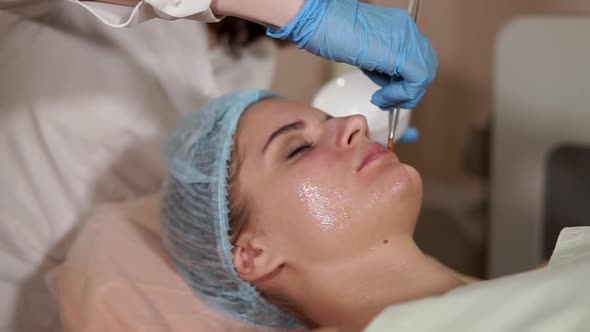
(254, 260)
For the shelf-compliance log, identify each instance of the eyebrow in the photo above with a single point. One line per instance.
(293, 126)
(297, 125)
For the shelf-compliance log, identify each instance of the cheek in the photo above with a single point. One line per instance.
(323, 198)
(336, 216)
(322, 191)
(306, 211)
(323, 164)
(306, 202)
(325, 206)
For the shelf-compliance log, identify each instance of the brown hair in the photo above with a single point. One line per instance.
(239, 213)
(238, 33)
(240, 216)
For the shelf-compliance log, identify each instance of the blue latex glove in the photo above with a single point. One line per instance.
(383, 41)
(410, 135)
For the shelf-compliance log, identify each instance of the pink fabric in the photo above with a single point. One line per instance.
(117, 277)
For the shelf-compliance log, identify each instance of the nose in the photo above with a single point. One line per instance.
(352, 129)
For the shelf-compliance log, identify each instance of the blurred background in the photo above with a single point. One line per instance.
(453, 154)
(504, 151)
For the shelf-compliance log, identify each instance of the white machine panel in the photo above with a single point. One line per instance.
(542, 99)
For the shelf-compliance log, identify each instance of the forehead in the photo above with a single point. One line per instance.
(262, 118)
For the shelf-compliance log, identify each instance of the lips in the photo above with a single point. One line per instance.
(372, 152)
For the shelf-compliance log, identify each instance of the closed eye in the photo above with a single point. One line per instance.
(299, 149)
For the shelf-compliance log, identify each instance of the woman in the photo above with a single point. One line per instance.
(319, 218)
(85, 106)
(279, 215)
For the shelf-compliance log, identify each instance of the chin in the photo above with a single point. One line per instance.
(393, 187)
(409, 189)
(403, 198)
(402, 180)
(414, 178)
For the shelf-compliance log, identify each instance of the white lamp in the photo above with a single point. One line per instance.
(349, 93)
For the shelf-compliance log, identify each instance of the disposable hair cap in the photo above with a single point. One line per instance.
(195, 211)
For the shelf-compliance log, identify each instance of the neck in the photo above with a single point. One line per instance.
(363, 286)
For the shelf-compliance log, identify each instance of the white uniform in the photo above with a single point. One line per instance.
(554, 298)
(83, 110)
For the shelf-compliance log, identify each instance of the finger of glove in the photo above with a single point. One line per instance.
(380, 79)
(412, 104)
(422, 63)
(396, 94)
(410, 135)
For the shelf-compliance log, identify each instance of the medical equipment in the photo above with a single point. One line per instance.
(414, 9)
(195, 211)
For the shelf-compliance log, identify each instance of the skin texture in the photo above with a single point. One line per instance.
(333, 241)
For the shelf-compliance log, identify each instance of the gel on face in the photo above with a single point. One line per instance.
(326, 206)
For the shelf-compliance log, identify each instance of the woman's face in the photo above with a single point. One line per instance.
(317, 187)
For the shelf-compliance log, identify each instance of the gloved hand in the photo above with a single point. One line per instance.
(410, 135)
(383, 41)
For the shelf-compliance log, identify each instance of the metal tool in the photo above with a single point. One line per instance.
(414, 9)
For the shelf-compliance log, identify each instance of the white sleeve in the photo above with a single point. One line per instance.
(119, 16)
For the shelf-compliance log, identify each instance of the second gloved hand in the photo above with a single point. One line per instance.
(410, 135)
(383, 41)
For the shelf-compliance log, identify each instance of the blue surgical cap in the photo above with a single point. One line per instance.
(195, 211)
